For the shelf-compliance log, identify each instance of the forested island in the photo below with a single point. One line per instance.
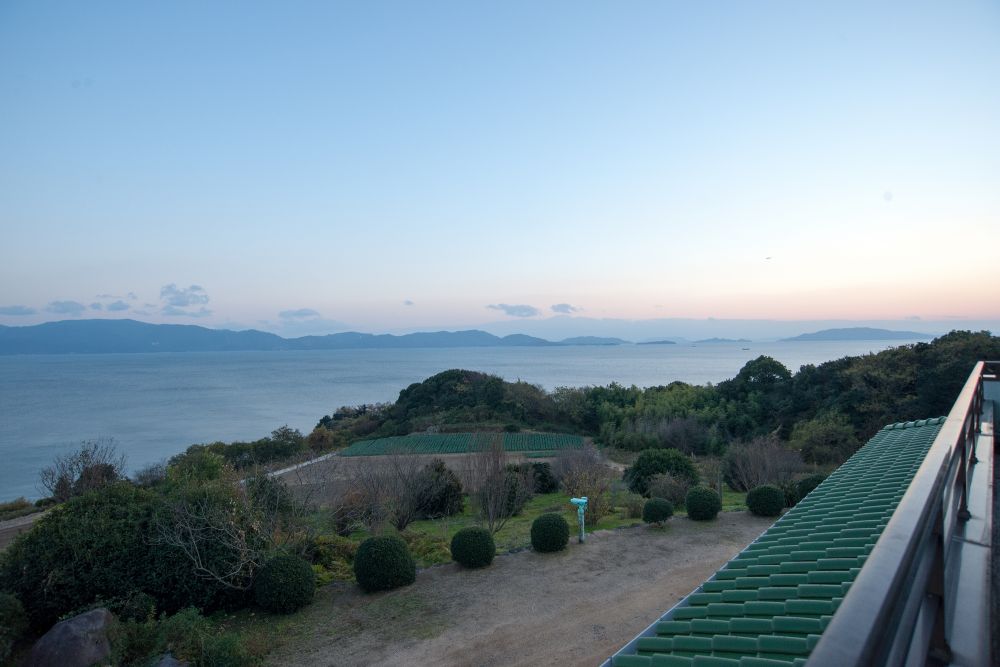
(860, 333)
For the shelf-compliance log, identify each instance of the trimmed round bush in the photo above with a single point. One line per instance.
(549, 533)
(13, 623)
(766, 500)
(657, 510)
(656, 462)
(383, 563)
(473, 547)
(809, 483)
(285, 584)
(702, 504)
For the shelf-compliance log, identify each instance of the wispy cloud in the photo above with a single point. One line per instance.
(97, 306)
(300, 314)
(17, 310)
(131, 296)
(118, 306)
(174, 311)
(71, 308)
(179, 301)
(407, 302)
(516, 310)
(564, 308)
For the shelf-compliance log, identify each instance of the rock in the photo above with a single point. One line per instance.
(168, 660)
(76, 642)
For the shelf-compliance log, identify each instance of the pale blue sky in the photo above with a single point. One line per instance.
(407, 165)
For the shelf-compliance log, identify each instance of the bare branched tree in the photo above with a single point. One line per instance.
(96, 464)
(498, 489)
(391, 488)
(763, 460)
(227, 527)
(584, 473)
(210, 527)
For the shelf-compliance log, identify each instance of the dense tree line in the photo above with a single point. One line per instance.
(825, 410)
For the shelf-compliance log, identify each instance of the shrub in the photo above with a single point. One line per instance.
(13, 623)
(657, 510)
(326, 550)
(807, 484)
(93, 546)
(196, 465)
(185, 633)
(545, 480)
(97, 463)
(427, 549)
(791, 493)
(270, 494)
(702, 504)
(15, 508)
(519, 485)
(383, 563)
(633, 503)
(137, 606)
(766, 500)
(549, 532)
(205, 542)
(285, 584)
(657, 461)
(151, 475)
(473, 547)
(442, 491)
(669, 487)
(225, 650)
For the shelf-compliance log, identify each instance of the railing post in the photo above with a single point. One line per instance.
(939, 650)
(963, 477)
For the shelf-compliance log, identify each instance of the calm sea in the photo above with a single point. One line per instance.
(155, 405)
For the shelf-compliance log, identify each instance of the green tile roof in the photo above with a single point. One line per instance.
(770, 604)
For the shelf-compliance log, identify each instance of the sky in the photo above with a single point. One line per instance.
(315, 167)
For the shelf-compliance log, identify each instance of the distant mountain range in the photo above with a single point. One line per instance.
(861, 333)
(112, 336)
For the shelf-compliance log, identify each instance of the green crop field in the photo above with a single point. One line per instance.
(462, 443)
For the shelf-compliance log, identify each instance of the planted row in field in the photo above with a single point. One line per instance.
(463, 443)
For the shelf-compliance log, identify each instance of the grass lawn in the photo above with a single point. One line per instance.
(430, 540)
(516, 533)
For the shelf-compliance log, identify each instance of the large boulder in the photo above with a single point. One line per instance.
(76, 642)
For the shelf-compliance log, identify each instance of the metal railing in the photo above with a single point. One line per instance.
(900, 609)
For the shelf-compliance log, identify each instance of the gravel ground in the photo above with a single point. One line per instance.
(575, 607)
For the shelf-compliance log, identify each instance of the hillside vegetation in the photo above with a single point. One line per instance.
(825, 411)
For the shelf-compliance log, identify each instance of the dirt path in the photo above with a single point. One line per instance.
(572, 608)
(14, 527)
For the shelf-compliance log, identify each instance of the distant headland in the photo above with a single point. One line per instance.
(860, 333)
